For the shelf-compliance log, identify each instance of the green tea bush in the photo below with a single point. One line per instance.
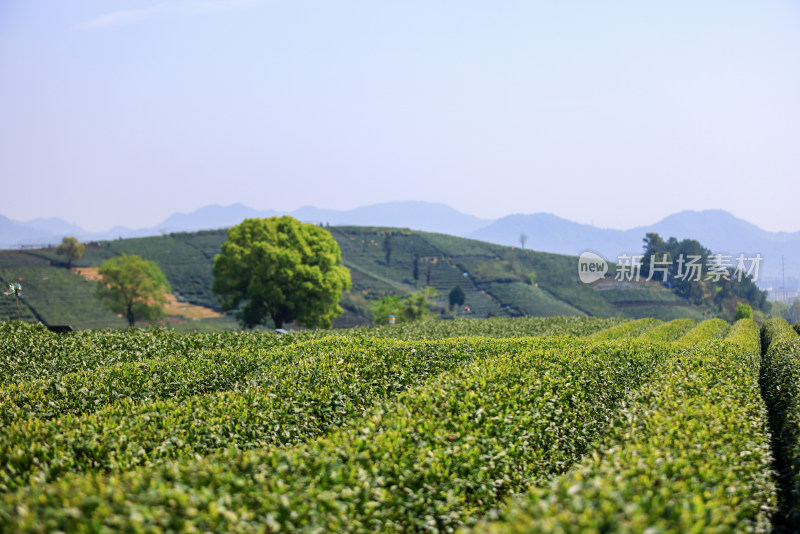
(310, 389)
(611, 426)
(669, 331)
(781, 387)
(689, 452)
(497, 327)
(627, 329)
(176, 377)
(709, 329)
(438, 457)
(31, 352)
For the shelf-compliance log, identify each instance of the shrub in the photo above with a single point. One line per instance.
(743, 311)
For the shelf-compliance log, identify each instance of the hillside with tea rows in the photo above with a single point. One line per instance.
(497, 281)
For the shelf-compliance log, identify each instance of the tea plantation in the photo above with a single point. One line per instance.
(561, 424)
(497, 281)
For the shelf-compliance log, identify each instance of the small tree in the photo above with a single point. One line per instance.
(791, 313)
(282, 269)
(410, 308)
(134, 287)
(387, 247)
(743, 311)
(72, 249)
(523, 238)
(456, 297)
(418, 305)
(382, 309)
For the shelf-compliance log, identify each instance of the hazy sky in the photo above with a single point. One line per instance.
(612, 112)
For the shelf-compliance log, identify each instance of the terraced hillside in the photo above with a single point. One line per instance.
(566, 424)
(497, 281)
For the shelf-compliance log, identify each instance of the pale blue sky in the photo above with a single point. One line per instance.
(611, 112)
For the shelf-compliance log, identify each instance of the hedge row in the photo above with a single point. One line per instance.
(669, 331)
(689, 453)
(163, 377)
(497, 327)
(309, 390)
(781, 387)
(31, 352)
(709, 329)
(629, 329)
(438, 457)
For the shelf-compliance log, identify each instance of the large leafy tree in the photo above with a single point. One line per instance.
(72, 249)
(282, 269)
(134, 287)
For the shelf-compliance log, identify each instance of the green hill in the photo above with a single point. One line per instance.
(497, 280)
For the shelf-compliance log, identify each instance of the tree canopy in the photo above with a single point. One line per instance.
(456, 297)
(134, 287)
(72, 249)
(282, 269)
(673, 257)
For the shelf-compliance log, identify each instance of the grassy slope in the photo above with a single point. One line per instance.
(497, 280)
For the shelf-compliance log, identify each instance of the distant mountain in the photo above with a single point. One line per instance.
(15, 233)
(53, 226)
(717, 230)
(551, 233)
(427, 216)
(211, 218)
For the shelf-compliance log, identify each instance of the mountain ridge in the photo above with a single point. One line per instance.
(717, 229)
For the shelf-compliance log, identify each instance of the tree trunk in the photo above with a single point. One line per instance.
(130, 314)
